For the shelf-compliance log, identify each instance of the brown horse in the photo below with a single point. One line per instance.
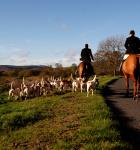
(131, 69)
(84, 70)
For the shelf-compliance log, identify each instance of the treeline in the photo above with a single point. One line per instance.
(45, 71)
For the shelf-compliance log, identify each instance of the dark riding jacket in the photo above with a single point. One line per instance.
(86, 55)
(132, 45)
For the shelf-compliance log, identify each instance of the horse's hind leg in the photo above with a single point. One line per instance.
(135, 92)
(127, 86)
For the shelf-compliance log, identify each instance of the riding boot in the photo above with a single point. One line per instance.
(92, 73)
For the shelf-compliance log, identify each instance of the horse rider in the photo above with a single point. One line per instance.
(86, 56)
(132, 45)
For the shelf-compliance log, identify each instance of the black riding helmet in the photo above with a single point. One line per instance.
(132, 32)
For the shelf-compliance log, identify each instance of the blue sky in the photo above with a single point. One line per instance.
(45, 32)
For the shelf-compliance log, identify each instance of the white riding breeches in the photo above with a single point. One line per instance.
(125, 56)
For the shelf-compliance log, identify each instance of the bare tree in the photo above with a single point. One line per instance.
(58, 65)
(109, 55)
(114, 43)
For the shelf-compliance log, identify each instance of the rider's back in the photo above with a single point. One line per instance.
(86, 54)
(132, 45)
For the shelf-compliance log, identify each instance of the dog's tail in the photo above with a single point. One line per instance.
(94, 79)
(12, 85)
(42, 82)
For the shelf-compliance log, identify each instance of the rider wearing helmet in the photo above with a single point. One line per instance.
(132, 45)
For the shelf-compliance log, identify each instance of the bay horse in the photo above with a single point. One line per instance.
(84, 70)
(131, 70)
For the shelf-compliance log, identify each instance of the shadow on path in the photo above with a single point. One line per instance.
(124, 110)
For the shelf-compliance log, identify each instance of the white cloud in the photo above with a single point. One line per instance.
(70, 57)
(17, 56)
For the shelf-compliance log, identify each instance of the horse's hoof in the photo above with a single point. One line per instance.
(135, 98)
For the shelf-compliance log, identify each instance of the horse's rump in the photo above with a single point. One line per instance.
(131, 66)
(131, 69)
(84, 69)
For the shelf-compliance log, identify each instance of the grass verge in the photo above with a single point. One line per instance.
(65, 122)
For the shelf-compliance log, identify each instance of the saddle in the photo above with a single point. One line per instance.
(125, 57)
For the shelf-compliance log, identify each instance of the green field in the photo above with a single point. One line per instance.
(70, 121)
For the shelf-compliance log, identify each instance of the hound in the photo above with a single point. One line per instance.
(92, 85)
(65, 84)
(14, 92)
(74, 85)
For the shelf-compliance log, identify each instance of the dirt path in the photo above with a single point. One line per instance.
(125, 110)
